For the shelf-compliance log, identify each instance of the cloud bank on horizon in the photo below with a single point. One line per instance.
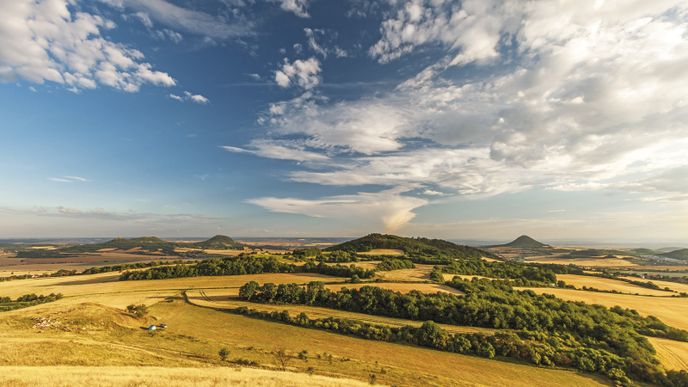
(487, 97)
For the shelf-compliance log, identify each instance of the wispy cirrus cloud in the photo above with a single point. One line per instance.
(69, 179)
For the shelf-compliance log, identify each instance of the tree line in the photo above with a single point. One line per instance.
(6, 303)
(244, 264)
(597, 334)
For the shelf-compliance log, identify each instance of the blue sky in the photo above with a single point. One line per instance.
(467, 120)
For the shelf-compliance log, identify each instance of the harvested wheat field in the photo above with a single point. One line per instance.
(418, 273)
(671, 310)
(579, 281)
(390, 252)
(105, 288)
(403, 287)
(672, 354)
(163, 377)
(675, 286)
(217, 299)
(586, 262)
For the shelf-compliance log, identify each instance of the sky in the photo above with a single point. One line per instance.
(475, 119)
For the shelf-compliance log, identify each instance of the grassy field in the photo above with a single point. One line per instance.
(105, 288)
(418, 273)
(69, 376)
(671, 310)
(675, 286)
(403, 287)
(672, 354)
(390, 252)
(88, 329)
(219, 299)
(585, 262)
(600, 283)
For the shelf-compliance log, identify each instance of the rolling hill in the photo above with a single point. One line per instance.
(219, 242)
(681, 254)
(526, 242)
(151, 243)
(411, 246)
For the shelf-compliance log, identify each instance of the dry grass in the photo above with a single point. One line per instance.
(163, 377)
(609, 284)
(675, 286)
(671, 310)
(403, 287)
(105, 289)
(587, 262)
(390, 252)
(418, 273)
(219, 299)
(84, 333)
(672, 354)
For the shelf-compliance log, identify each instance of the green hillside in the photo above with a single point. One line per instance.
(412, 247)
(219, 242)
(677, 254)
(526, 242)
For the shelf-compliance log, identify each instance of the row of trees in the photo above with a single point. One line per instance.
(501, 344)
(494, 304)
(526, 273)
(388, 264)
(129, 266)
(244, 264)
(6, 303)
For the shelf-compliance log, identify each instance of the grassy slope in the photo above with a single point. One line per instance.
(81, 332)
(610, 285)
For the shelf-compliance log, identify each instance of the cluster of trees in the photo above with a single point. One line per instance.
(572, 329)
(243, 264)
(420, 250)
(128, 266)
(6, 303)
(502, 344)
(523, 273)
(388, 264)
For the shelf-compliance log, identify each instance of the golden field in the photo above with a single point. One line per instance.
(671, 310)
(610, 285)
(88, 329)
(219, 299)
(403, 287)
(585, 262)
(74, 376)
(390, 252)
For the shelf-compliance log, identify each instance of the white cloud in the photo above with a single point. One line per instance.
(297, 7)
(189, 96)
(281, 150)
(176, 17)
(387, 209)
(69, 179)
(304, 73)
(589, 102)
(50, 41)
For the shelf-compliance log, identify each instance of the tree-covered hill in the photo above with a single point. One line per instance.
(526, 242)
(677, 254)
(219, 242)
(412, 247)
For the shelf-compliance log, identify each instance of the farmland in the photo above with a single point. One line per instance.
(90, 325)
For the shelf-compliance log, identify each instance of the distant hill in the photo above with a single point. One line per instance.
(219, 242)
(151, 243)
(677, 254)
(642, 251)
(411, 246)
(526, 242)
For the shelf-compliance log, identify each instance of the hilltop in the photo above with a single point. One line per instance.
(219, 242)
(526, 242)
(151, 243)
(410, 246)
